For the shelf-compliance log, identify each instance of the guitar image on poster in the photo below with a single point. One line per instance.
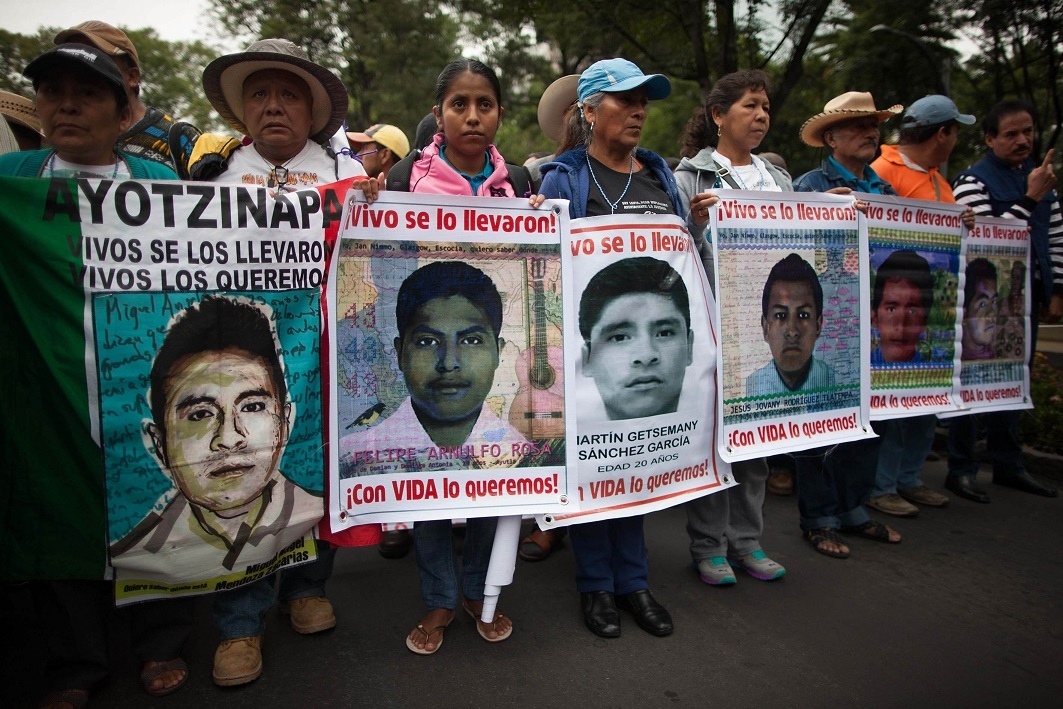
(538, 411)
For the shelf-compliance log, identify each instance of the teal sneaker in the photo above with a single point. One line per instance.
(759, 566)
(715, 571)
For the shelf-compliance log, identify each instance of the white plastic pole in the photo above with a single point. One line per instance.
(503, 562)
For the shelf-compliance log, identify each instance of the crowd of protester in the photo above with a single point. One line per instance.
(288, 113)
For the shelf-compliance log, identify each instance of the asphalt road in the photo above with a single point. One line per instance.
(966, 612)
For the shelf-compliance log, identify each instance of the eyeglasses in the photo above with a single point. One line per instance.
(278, 177)
(358, 156)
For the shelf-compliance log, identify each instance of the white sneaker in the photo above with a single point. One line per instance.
(715, 571)
(759, 566)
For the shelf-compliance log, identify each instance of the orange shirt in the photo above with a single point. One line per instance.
(909, 179)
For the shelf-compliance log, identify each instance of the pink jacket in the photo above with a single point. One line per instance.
(433, 175)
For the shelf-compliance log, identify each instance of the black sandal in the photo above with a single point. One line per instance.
(824, 535)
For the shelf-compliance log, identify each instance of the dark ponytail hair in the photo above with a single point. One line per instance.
(700, 131)
(458, 67)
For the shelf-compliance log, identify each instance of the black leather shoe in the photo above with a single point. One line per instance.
(963, 485)
(395, 543)
(1022, 480)
(600, 614)
(650, 615)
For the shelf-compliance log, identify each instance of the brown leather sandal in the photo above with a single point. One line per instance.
(539, 544)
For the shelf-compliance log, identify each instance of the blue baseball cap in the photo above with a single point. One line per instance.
(933, 110)
(617, 75)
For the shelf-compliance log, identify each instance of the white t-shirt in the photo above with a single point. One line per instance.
(749, 177)
(312, 166)
(57, 167)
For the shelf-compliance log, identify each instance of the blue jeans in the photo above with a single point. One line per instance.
(833, 484)
(241, 612)
(433, 546)
(1002, 443)
(904, 445)
(610, 555)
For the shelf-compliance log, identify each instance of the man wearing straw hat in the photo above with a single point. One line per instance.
(833, 483)
(289, 106)
(848, 128)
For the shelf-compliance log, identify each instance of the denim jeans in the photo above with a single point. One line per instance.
(904, 445)
(833, 483)
(241, 612)
(1002, 443)
(433, 546)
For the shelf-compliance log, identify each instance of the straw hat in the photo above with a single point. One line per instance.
(839, 109)
(554, 102)
(223, 83)
(19, 109)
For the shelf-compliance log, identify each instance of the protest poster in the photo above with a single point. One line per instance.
(791, 297)
(446, 386)
(195, 387)
(915, 255)
(995, 317)
(640, 369)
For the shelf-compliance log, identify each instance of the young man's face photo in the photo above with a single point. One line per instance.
(791, 328)
(637, 355)
(226, 428)
(900, 319)
(980, 315)
(448, 356)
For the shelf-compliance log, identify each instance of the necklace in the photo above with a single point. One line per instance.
(630, 172)
(51, 167)
(278, 176)
(760, 184)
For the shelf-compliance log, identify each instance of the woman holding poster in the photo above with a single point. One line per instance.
(83, 107)
(461, 160)
(601, 170)
(735, 118)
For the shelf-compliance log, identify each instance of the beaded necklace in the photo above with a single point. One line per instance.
(630, 172)
(51, 166)
(760, 184)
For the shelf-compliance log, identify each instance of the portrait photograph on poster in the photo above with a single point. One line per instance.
(791, 301)
(212, 444)
(446, 379)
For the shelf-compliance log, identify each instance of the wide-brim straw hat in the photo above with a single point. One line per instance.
(554, 102)
(19, 109)
(223, 83)
(852, 104)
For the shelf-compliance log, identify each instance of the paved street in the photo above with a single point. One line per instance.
(966, 612)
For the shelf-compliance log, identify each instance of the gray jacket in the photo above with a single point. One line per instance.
(698, 174)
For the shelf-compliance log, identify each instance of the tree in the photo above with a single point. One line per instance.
(1021, 48)
(387, 52)
(692, 41)
(170, 71)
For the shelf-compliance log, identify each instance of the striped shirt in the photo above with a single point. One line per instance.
(972, 192)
